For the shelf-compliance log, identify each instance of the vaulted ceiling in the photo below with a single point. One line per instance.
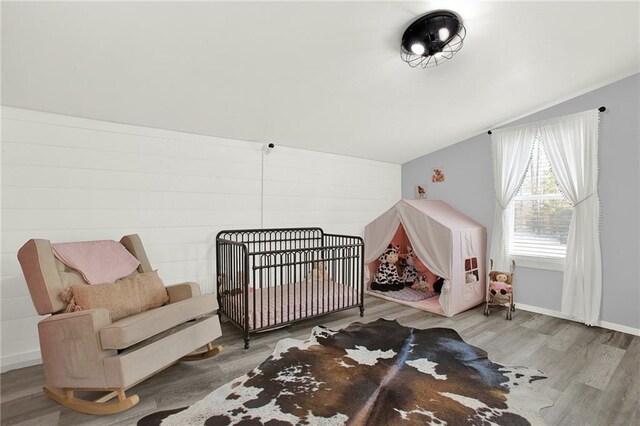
(324, 76)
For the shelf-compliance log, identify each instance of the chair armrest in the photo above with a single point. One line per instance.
(100, 316)
(71, 351)
(178, 292)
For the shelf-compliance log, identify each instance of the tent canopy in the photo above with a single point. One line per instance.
(442, 238)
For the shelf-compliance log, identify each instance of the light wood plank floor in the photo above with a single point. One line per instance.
(594, 374)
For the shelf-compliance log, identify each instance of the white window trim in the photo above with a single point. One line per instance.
(538, 197)
(548, 263)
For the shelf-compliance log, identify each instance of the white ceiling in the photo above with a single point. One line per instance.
(325, 76)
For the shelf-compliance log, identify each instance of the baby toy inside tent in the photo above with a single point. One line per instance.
(446, 244)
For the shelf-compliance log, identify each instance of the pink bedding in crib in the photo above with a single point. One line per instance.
(283, 303)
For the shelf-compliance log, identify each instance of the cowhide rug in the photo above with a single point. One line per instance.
(380, 373)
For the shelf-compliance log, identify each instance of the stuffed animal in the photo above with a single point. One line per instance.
(318, 273)
(437, 286)
(499, 287)
(230, 287)
(387, 278)
(421, 284)
(470, 278)
(410, 273)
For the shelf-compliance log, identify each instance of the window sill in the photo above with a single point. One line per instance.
(548, 263)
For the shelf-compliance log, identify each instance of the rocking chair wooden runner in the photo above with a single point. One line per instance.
(498, 299)
(86, 351)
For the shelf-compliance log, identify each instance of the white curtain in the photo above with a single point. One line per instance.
(379, 233)
(422, 231)
(571, 143)
(511, 156)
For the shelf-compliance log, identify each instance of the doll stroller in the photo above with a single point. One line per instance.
(495, 298)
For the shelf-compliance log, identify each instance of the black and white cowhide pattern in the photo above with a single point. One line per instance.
(410, 273)
(387, 277)
(379, 373)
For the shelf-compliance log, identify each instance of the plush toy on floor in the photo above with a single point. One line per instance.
(387, 278)
(410, 274)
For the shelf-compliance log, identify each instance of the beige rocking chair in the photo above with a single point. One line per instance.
(86, 351)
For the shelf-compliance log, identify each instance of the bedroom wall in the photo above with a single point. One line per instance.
(469, 188)
(73, 179)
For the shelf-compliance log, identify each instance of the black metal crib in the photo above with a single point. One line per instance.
(269, 278)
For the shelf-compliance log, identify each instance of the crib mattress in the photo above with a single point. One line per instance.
(289, 302)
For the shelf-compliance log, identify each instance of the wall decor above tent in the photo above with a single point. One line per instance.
(437, 176)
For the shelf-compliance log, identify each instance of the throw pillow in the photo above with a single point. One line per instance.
(127, 296)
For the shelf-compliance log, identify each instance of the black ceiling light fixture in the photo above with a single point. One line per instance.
(432, 39)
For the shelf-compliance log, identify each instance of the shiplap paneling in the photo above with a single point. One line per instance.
(338, 193)
(72, 179)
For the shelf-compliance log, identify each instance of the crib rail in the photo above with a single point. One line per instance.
(274, 277)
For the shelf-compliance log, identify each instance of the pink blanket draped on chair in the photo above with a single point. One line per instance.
(97, 261)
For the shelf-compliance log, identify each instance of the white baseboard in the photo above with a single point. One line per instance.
(558, 314)
(25, 359)
(619, 327)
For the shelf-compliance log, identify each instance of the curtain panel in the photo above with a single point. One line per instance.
(572, 148)
(571, 144)
(511, 149)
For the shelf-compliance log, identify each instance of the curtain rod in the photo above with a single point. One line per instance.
(601, 109)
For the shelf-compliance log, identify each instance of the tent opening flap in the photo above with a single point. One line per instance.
(400, 239)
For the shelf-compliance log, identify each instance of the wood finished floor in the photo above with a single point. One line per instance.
(594, 374)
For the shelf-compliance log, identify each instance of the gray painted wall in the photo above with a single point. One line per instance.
(469, 188)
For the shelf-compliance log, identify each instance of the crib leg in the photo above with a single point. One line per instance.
(361, 310)
(246, 341)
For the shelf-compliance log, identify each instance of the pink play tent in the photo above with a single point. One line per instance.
(447, 244)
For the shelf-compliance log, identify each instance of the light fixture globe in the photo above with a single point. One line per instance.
(432, 39)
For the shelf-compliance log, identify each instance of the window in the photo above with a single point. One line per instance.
(471, 266)
(471, 276)
(540, 216)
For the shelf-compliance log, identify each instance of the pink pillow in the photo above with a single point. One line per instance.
(97, 261)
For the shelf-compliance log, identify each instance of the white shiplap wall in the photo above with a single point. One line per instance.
(337, 193)
(72, 179)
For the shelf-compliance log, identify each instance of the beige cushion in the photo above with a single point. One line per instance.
(146, 358)
(127, 296)
(68, 276)
(136, 328)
